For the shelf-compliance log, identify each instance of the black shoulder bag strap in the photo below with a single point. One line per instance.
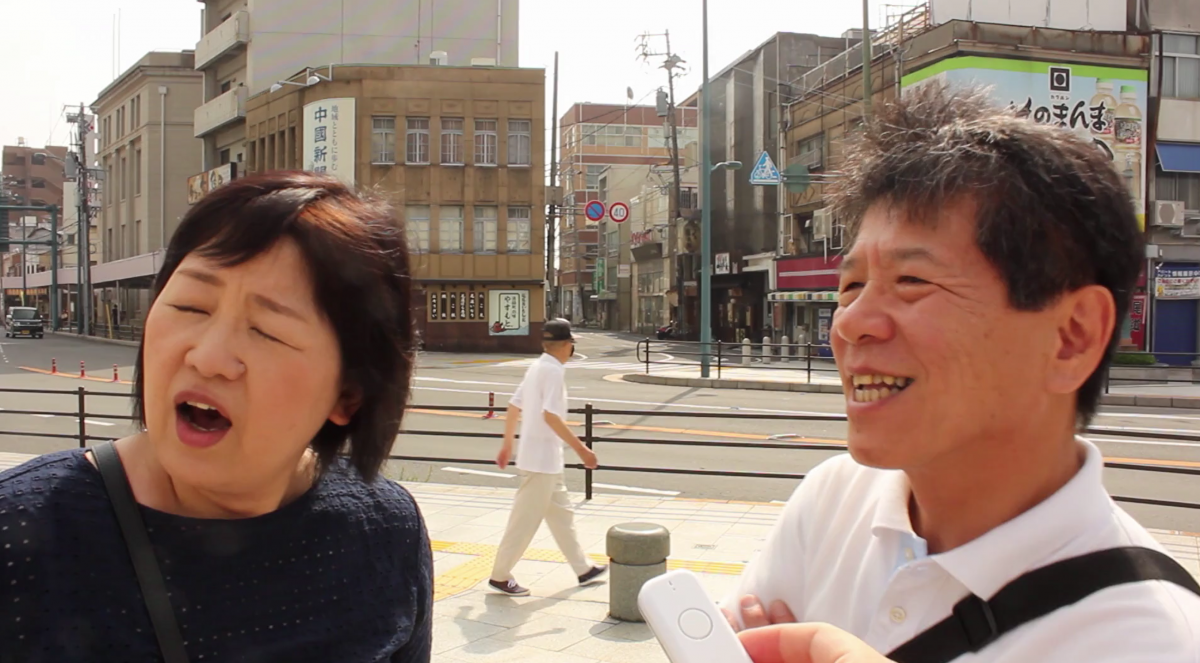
(975, 623)
(145, 564)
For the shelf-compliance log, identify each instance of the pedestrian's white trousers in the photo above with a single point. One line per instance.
(539, 497)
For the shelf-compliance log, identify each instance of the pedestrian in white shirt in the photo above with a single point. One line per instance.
(540, 404)
(990, 265)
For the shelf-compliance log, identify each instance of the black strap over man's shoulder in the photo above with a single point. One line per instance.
(976, 623)
(145, 564)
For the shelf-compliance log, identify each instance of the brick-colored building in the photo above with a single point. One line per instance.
(593, 137)
(460, 152)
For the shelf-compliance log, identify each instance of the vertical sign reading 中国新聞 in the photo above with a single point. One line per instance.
(329, 138)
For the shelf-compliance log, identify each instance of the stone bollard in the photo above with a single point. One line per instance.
(637, 553)
(767, 350)
(785, 350)
(747, 351)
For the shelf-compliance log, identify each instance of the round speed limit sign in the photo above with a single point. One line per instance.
(618, 212)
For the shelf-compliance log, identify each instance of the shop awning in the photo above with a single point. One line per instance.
(1179, 157)
(809, 296)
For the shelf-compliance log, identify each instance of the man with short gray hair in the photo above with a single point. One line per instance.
(990, 264)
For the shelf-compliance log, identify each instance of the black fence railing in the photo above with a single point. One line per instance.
(807, 357)
(1127, 369)
(80, 399)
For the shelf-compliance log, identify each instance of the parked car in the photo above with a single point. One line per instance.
(23, 321)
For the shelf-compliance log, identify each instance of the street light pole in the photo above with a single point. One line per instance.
(866, 53)
(705, 204)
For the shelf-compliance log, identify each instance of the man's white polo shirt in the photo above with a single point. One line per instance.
(844, 552)
(543, 389)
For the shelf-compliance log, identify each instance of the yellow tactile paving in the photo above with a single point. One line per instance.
(467, 575)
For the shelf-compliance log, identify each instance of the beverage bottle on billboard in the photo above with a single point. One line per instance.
(1129, 164)
(1128, 121)
(1104, 98)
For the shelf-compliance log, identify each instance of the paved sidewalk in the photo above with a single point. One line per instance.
(562, 622)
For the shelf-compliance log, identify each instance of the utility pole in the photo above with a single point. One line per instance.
(672, 61)
(866, 51)
(551, 220)
(705, 202)
(83, 269)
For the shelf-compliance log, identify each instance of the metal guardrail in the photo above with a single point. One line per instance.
(1150, 368)
(805, 357)
(591, 438)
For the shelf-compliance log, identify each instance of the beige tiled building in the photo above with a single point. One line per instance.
(460, 152)
(248, 46)
(146, 151)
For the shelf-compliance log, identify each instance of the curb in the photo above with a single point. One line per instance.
(1121, 400)
(1135, 400)
(95, 339)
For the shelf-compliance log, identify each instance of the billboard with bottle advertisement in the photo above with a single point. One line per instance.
(1106, 105)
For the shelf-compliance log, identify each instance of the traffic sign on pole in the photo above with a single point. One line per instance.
(594, 210)
(618, 212)
(764, 171)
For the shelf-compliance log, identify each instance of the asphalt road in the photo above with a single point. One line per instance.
(622, 413)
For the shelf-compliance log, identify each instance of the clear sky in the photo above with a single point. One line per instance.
(62, 51)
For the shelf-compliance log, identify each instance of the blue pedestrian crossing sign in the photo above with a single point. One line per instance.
(764, 171)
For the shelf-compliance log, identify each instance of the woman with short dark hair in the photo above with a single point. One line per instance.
(271, 381)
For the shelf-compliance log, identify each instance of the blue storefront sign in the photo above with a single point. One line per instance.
(1177, 295)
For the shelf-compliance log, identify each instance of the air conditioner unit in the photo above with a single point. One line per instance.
(822, 223)
(1168, 213)
(1190, 229)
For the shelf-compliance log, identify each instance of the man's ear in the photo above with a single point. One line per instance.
(347, 404)
(1086, 321)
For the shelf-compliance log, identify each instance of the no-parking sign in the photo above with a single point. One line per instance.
(594, 210)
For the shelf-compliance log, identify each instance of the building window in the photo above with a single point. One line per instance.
(417, 141)
(519, 232)
(486, 227)
(1184, 187)
(137, 237)
(452, 141)
(109, 247)
(485, 142)
(383, 140)
(223, 157)
(225, 87)
(520, 139)
(124, 181)
(593, 177)
(450, 229)
(137, 173)
(416, 218)
(1181, 66)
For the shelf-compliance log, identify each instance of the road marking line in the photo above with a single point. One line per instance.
(633, 489)
(96, 423)
(73, 377)
(1154, 462)
(463, 470)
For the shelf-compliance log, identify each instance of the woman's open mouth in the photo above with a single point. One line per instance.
(200, 424)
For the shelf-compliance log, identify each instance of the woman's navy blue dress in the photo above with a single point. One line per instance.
(343, 574)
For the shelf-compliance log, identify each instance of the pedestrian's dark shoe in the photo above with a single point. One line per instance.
(509, 587)
(596, 572)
